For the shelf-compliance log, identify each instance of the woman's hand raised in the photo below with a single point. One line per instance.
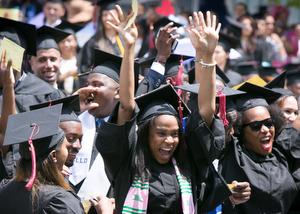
(204, 35)
(129, 33)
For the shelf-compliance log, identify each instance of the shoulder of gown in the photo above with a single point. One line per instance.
(54, 199)
(114, 142)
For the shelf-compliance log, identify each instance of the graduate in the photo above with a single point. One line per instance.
(252, 157)
(46, 63)
(143, 146)
(39, 186)
(70, 124)
(67, 77)
(29, 89)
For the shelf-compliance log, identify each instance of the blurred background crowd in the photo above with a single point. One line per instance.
(255, 34)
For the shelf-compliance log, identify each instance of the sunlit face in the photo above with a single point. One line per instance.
(289, 108)
(106, 94)
(164, 138)
(46, 64)
(73, 133)
(61, 154)
(106, 16)
(68, 46)
(53, 12)
(261, 141)
(220, 56)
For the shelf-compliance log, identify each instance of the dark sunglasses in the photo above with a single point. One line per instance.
(256, 125)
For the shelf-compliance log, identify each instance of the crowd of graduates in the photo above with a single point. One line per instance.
(117, 110)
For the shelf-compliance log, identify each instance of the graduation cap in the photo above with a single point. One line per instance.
(290, 67)
(71, 105)
(194, 88)
(69, 27)
(293, 73)
(163, 100)
(246, 68)
(82, 79)
(37, 133)
(110, 65)
(172, 64)
(268, 72)
(277, 82)
(256, 80)
(227, 92)
(21, 33)
(256, 96)
(49, 37)
(228, 41)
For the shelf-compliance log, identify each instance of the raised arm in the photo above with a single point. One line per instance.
(204, 36)
(129, 34)
(8, 102)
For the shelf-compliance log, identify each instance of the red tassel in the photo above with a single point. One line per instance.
(33, 158)
(222, 107)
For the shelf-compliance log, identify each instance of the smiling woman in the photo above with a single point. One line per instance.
(253, 158)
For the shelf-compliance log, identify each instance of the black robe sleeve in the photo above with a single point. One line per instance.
(114, 142)
(205, 143)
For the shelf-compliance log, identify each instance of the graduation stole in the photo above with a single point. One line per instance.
(137, 198)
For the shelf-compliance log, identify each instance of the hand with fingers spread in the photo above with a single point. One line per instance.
(129, 34)
(204, 35)
(164, 41)
(6, 72)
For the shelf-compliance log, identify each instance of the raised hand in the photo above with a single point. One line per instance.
(164, 41)
(203, 34)
(86, 98)
(130, 33)
(6, 71)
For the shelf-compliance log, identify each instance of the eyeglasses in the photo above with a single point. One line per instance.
(256, 125)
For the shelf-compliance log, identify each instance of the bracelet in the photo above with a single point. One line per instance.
(205, 65)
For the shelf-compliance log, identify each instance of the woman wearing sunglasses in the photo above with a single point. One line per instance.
(251, 157)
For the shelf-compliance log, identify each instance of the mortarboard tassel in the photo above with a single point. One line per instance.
(222, 107)
(179, 92)
(34, 132)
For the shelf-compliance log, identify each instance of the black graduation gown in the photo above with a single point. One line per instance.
(32, 90)
(288, 143)
(116, 145)
(15, 199)
(272, 186)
